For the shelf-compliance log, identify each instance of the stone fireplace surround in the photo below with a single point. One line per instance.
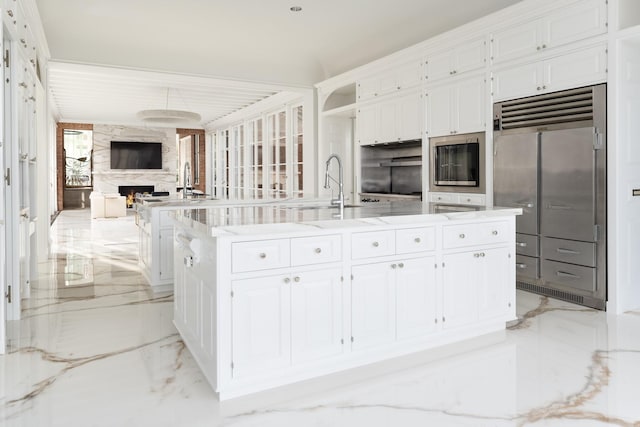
(108, 180)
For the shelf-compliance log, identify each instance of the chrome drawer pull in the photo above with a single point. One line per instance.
(263, 255)
(568, 275)
(287, 280)
(461, 236)
(476, 255)
(521, 265)
(393, 266)
(560, 207)
(296, 279)
(494, 232)
(521, 244)
(318, 250)
(417, 240)
(567, 251)
(376, 244)
(401, 265)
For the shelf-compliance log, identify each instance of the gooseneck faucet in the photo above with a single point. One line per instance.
(340, 200)
(186, 180)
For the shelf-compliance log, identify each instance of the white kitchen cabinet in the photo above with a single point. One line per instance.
(578, 21)
(468, 56)
(387, 290)
(457, 198)
(261, 325)
(395, 118)
(574, 69)
(456, 108)
(417, 297)
(155, 253)
(399, 78)
(165, 263)
(316, 314)
(373, 305)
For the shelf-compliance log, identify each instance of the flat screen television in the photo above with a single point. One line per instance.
(136, 155)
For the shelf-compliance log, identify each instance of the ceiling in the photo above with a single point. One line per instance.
(214, 57)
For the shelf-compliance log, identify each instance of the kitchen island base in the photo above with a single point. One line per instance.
(262, 307)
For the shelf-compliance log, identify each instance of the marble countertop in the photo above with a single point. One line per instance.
(286, 218)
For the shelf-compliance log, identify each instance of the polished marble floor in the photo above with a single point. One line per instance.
(96, 348)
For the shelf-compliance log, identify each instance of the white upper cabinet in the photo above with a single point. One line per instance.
(581, 20)
(574, 69)
(456, 108)
(397, 118)
(465, 57)
(398, 78)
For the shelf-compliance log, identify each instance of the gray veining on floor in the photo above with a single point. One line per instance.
(97, 348)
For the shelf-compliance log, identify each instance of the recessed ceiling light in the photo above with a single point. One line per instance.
(295, 8)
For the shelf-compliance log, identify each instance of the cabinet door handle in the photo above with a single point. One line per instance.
(462, 236)
(401, 265)
(417, 240)
(476, 255)
(521, 244)
(263, 255)
(494, 232)
(296, 279)
(318, 250)
(567, 275)
(287, 280)
(521, 266)
(376, 244)
(544, 46)
(567, 251)
(393, 266)
(482, 254)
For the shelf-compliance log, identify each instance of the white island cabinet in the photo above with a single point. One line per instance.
(281, 294)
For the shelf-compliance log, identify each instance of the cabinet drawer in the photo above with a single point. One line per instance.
(569, 275)
(527, 267)
(372, 244)
(471, 199)
(527, 244)
(583, 253)
(415, 240)
(259, 255)
(315, 250)
(456, 236)
(443, 198)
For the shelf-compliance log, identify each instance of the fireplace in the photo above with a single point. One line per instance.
(129, 191)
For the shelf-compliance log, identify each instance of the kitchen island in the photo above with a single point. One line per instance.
(268, 295)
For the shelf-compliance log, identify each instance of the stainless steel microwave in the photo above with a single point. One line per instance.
(457, 163)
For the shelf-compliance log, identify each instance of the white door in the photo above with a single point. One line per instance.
(417, 297)
(388, 126)
(368, 124)
(261, 328)
(316, 314)
(3, 236)
(410, 117)
(373, 303)
(469, 106)
(439, 111)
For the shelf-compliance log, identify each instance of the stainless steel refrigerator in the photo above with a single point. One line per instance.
(550, 160)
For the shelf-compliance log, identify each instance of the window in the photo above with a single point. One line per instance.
(78, 149)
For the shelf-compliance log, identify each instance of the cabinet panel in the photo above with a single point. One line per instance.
(579, 21)
(368, 124)
(456, 236)
(515, 42)
(261, 331)
(576, 69)
(417, 299)
(259, 255)
(411, 240)
(457, 60)
(372, 244)
(516, 82)
(459, 290)
(373, 301)
(316, 313)
(388, 121)
(439, 111)
(409, 114)
(493, 273)
(315, 250)
(165, 264)
(469, 111)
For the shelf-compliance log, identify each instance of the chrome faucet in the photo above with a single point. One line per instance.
(340, 200)
(186, 180)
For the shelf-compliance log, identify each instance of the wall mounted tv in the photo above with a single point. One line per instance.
(136, 155)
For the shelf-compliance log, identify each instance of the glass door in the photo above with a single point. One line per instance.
(297, 186)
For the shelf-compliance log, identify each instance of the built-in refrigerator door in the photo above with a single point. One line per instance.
(568, 184)
(515, 177)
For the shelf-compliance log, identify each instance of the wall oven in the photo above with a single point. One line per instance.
(457, 163)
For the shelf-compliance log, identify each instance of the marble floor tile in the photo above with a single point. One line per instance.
(96, 347)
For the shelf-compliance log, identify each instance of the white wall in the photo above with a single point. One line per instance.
(107, 180)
